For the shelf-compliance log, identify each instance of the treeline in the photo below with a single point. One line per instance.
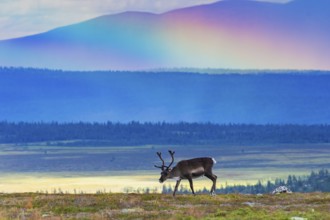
(315, 182)
(136, 133)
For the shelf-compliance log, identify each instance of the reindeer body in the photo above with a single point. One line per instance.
(188, 169)
(197, 168)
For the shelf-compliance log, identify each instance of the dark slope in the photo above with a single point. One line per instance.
(35, 95)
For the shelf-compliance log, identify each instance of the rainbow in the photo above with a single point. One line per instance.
(228, 34)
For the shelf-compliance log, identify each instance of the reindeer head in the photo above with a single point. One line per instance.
(166, 170)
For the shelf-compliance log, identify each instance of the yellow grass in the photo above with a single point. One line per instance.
(287, 159)
(122, 181)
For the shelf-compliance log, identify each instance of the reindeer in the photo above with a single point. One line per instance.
(188, 169)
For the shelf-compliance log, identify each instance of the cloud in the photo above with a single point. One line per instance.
(25, 17)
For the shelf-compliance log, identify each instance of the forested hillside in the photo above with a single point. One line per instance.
(136, 133)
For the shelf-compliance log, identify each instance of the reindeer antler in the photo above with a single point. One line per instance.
(160, 157)
(172, 155)
(163, 165)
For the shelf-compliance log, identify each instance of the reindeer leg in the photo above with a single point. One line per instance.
(214, 180)
(176, 186)
(191, 185)
(214, 183)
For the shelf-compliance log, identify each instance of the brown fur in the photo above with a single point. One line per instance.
(188, 169)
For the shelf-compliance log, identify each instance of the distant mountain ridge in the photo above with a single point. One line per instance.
(34, 95)
(236, 34)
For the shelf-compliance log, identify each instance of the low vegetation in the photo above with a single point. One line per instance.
(315, 182)
(160, 206)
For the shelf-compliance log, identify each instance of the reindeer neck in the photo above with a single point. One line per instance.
(175, 173)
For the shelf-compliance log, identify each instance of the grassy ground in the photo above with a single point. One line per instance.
(158, 206)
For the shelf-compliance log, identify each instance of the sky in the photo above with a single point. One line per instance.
(26, 17)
